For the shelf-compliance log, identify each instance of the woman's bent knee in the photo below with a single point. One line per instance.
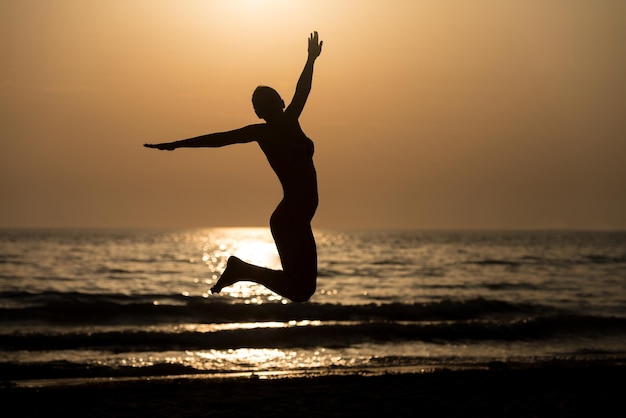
(303, 294)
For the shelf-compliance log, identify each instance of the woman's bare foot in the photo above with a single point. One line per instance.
(231, 275)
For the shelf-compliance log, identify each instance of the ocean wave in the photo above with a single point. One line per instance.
(491, 262)
(603, 259)
(583, 259)
(78, 308)
(68, 369)
(332, 335)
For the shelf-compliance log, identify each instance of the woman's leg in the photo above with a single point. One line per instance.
(298, 256)
(296, 246)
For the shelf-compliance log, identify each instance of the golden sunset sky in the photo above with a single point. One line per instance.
(425, 113)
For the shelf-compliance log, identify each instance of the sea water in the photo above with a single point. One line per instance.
(106, 303)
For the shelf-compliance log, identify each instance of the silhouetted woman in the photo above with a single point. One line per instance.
(290, 154)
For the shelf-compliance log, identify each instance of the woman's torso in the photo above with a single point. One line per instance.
(290, 154)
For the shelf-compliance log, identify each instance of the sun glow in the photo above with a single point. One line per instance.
(260, 252)
(263, 9)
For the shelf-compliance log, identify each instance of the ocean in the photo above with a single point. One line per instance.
(78, 303)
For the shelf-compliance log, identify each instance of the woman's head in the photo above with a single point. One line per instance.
(267, 102)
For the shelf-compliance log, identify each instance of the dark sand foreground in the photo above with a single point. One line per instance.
(553, 391)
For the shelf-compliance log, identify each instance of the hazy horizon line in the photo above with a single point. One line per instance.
(330, 228)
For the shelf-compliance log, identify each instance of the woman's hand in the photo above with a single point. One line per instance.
(165, 146)
(315, 46)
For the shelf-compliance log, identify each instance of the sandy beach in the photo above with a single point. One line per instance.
(569, 390)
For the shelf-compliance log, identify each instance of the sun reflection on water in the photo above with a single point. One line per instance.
(255, 246)
(248, 357)
(211, 249)
(259, 251)
(244, 359)
(258, 359)
(203, 328)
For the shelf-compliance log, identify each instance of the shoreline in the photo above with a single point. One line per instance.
(363, 371)
(580, 389)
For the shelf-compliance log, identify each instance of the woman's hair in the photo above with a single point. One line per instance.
(265, 93)
(265, 98)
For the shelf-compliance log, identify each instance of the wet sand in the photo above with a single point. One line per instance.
(548, 391)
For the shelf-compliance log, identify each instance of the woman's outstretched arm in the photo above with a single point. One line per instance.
(303, 88)
(219, 139)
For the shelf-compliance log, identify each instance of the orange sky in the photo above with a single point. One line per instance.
(425, 114)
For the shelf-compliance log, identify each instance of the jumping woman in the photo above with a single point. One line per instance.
(290, 154)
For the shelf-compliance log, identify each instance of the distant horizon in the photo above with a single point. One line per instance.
(318, 228)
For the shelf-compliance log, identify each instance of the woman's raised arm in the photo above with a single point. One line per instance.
(303, 88)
